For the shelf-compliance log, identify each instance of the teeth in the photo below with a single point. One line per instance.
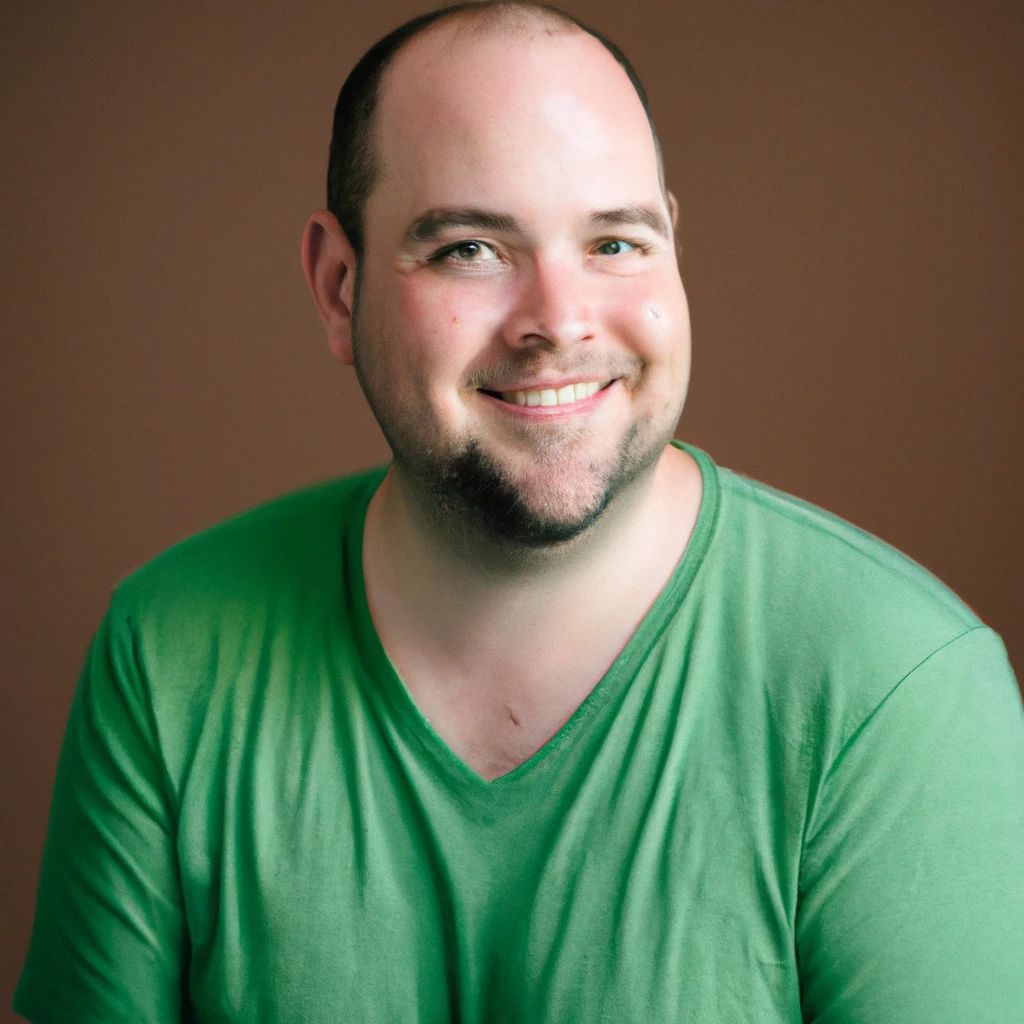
(551, 396)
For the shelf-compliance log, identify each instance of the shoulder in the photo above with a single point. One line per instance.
(198, 614)
(282, 543)
(819, 563)
(834, 617)
(244, 606)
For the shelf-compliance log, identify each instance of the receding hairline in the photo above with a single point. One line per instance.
(510, 17)
(354, 162)
(482, 20)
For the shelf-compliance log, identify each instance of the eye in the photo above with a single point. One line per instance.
(469, 251)
(615, 247)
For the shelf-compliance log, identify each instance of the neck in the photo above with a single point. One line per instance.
(461, 591)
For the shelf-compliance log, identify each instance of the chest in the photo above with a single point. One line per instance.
(332, 872)
(494, 709)
(494, 731)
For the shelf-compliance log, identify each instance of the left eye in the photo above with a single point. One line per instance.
(469, 252)
(615, 247)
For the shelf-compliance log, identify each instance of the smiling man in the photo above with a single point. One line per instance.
(521, 331)
(552, 719)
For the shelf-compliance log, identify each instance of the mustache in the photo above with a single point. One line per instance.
(531, 365)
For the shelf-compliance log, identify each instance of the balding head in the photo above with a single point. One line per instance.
(511, 249)
(354, 163)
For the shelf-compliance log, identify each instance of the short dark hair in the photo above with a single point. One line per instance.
(353, 167)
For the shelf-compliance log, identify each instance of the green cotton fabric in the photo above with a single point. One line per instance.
(798, 794)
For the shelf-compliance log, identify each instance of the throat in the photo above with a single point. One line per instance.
(498, 660)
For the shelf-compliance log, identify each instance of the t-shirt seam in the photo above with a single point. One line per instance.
(145, 686)
(825, 523)
(856, 732)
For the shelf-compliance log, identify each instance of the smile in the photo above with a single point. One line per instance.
(552, 396)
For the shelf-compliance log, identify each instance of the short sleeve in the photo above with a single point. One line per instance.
(911, 903)
(109, 942)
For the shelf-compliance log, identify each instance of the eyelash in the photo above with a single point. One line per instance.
(443, 254)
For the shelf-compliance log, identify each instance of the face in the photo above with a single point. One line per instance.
(520, 327)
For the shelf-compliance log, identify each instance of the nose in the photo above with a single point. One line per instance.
(553, 306)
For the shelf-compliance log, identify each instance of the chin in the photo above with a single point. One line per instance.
(528, 513)
(548, 502)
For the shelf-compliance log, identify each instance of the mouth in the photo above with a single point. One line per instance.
(568, 394)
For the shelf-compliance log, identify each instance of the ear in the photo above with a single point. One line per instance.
(673, 209)
(329, 263)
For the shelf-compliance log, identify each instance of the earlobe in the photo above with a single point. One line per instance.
(329, 265)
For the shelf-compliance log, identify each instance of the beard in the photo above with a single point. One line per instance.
(560, 494)
(470, 487)
(546, 494)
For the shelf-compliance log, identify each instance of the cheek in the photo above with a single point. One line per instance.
(449, 323)
(443, 330)
(656, 319)
(424, 314)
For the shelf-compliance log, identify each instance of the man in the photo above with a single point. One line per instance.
(554, 720)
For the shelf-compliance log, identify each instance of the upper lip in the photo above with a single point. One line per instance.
(545, 385)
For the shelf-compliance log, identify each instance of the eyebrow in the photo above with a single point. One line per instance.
(428, 226)
(644, 215)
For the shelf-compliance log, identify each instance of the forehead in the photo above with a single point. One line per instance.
(526, 110)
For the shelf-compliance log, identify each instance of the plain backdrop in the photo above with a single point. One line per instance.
(849, 176)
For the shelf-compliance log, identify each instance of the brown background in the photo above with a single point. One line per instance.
(849, 178)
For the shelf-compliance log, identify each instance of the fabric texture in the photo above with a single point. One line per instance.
(797, 795)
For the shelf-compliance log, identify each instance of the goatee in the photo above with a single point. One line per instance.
(470, 490)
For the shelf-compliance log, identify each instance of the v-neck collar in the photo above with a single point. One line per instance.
(384, 688)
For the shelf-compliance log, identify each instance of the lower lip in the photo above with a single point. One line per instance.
(548, 412)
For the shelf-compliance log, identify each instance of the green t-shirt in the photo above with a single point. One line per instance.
(798, 794)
